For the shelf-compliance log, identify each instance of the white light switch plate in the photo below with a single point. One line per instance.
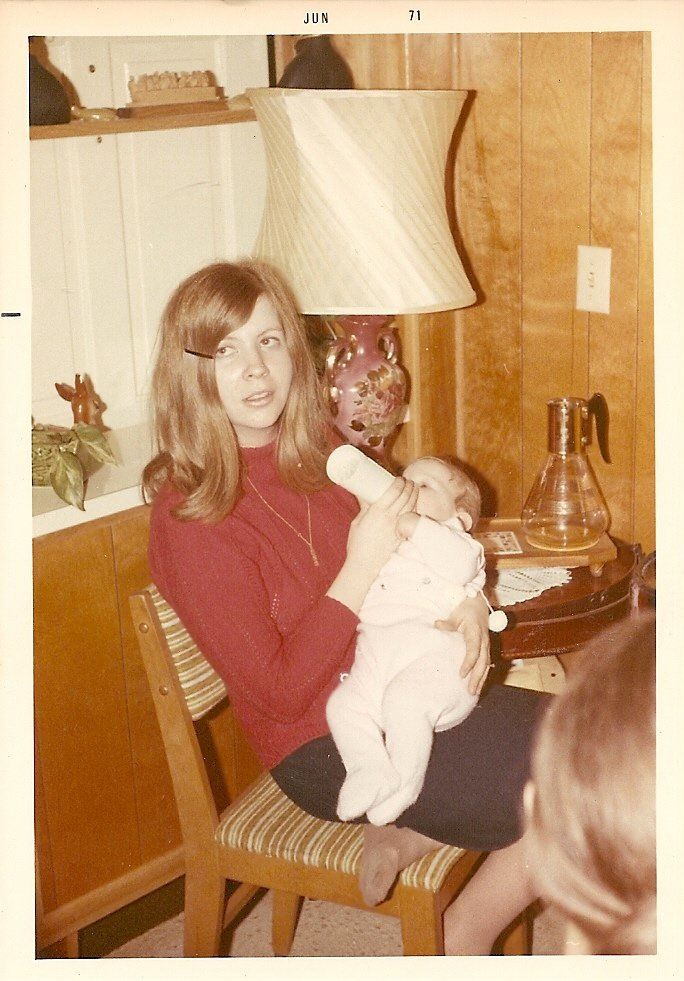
(593, 278)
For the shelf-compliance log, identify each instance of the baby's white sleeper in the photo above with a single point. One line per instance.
(405, 682)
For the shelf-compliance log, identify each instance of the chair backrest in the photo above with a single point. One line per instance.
(184, 687)
(202, 687)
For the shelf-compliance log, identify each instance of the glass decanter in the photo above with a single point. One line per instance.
(565, 510)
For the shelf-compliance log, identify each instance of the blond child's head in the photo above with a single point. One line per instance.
(591, 803)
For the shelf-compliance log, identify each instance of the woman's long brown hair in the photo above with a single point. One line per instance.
(198, 451)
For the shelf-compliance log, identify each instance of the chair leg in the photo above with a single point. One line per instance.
(243, 894)
(68, 946)
(286, 907)
(205, 893)
(422, 926)
(517, 941)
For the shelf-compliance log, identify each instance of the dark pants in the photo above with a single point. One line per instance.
(472, 795)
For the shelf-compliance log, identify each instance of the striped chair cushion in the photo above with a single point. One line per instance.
(202, 687)
(266, 822)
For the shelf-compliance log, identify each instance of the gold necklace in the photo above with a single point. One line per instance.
(307, 541)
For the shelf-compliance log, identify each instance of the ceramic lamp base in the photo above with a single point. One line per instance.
(367, 386)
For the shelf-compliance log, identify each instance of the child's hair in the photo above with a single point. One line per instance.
(197, 447)
(469, 498)
(591, 812)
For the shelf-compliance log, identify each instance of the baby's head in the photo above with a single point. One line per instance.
(445, 491)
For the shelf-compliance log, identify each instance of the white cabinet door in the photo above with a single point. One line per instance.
(118, 221)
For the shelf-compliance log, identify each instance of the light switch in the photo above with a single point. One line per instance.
(593, 278)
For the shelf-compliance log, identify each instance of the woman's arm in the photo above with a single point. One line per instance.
(373, 536)
(471, 619)
(216, 587)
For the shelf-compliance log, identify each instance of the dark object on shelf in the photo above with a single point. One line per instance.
(48, 102)
(316, 65)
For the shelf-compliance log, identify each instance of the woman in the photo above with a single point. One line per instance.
(267, 564)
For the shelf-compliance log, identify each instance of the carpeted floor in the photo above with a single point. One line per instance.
(154, 928)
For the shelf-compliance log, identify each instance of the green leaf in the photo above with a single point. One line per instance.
(67, 480)
(95, 442)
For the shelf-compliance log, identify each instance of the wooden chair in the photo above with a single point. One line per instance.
(262, 840)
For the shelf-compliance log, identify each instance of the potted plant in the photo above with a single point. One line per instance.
(64, 457)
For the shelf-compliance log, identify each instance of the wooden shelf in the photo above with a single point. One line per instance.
(79, 127)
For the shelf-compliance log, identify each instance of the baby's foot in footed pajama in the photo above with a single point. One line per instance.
(386, 811)
(363, 788)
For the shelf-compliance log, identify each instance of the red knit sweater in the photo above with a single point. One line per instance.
(252, 599)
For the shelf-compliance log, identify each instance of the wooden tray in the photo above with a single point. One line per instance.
(490, 529)
(134, 111)
(159, 97)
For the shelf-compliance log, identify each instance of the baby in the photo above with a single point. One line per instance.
(405, 682)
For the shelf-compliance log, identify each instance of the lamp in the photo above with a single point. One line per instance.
(355, 219)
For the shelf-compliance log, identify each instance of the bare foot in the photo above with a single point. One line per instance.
(386, 851)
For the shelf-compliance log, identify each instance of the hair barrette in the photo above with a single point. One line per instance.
(199, 354)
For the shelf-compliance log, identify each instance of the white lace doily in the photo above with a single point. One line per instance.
(513, 586)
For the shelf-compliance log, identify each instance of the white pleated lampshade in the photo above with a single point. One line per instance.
(355, 215)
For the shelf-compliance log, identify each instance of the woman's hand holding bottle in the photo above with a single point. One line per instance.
(372, 539)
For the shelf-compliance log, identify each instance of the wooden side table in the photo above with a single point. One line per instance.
(562, 619)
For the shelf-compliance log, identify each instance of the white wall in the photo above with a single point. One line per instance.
(118, 221)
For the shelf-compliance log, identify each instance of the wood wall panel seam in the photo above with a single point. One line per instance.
(44, 866)
(635, 409)
(488, 352)
(156, 810)
(521, 470)
(635, 406)
(120, 602)
(554, 202)
(616, 96)
(643, 517)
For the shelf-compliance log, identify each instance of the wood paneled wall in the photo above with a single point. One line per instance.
(553, 151)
